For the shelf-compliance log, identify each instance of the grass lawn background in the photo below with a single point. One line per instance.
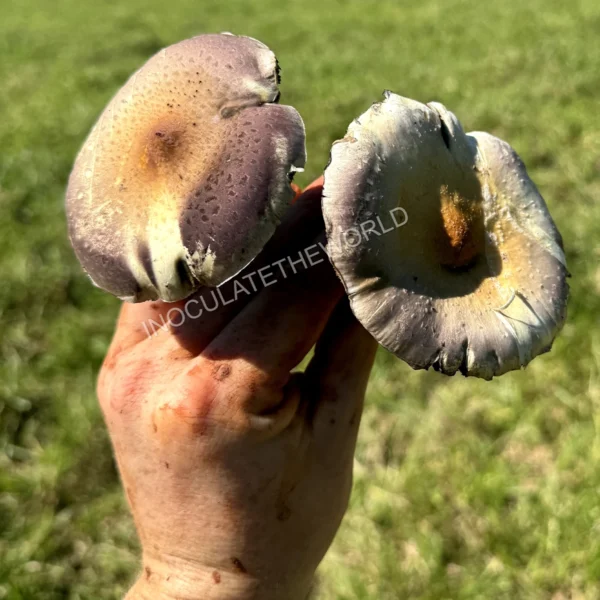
(463, 489)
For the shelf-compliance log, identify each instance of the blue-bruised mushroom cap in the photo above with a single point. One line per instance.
(187, 172)
(444, 244)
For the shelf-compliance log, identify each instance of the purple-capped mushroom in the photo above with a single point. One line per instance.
(187, 172)
(444, 244)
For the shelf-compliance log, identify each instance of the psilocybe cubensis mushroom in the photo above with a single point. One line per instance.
(187, 172)
(474, 279)
(443, 243)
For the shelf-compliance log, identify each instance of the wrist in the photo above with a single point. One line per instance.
(177, 580)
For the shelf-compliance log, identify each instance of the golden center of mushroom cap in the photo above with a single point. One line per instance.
(461, 238)
(162, 145)
(167, 158)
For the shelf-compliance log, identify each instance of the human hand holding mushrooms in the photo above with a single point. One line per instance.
(236, 468)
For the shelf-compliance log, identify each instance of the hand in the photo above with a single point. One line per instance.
(238, 471)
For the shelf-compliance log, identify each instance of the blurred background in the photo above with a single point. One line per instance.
(463, 489)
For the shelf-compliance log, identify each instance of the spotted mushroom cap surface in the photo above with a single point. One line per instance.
(445, 246)
(187, 172)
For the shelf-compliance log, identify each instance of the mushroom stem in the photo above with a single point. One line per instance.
(461, 240)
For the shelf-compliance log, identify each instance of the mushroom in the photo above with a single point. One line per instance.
(187, 172)
(444, 245)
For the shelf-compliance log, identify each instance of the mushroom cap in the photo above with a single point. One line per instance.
(442, 241)
(187, 172)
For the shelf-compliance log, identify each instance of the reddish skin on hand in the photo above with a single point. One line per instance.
(316, 185)
(237, 471)
(297, 192)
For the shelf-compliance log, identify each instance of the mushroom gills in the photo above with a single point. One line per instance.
(474, 280)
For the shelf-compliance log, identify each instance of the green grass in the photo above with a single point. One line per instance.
(463, 489)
